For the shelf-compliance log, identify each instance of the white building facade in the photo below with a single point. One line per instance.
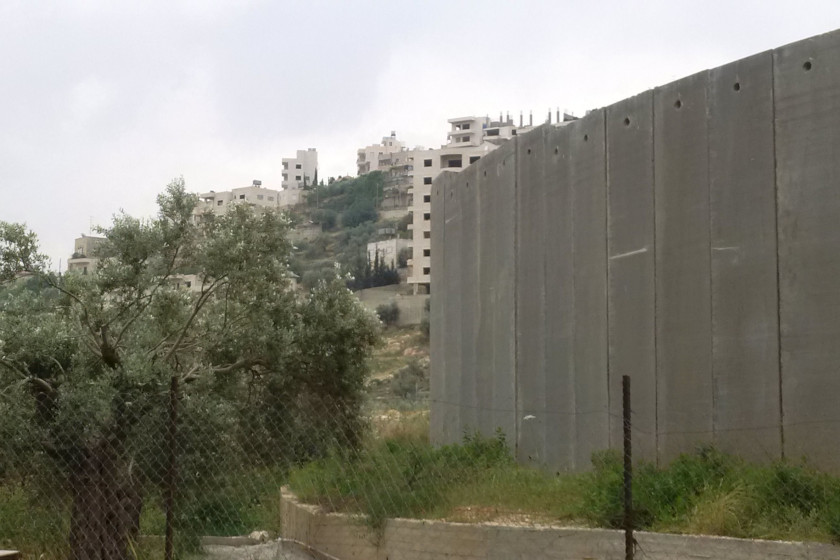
(388, 250)
(301, 170)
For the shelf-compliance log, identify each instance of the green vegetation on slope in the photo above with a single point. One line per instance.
(346, 210)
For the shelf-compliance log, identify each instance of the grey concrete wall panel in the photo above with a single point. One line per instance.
(496, 376)
(630, 235)
(587, 178)
(452, 432)
(807, 102)
(530, 296)
(560, 306)
(438, 330)
(745, 329)
(467, 194)
(683, 298)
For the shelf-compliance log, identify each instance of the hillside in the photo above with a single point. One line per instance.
(335, 224)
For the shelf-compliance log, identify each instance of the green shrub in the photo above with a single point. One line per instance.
(389, 313)
(409, 380)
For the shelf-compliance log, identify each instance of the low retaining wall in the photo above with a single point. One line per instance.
(345, 537)
(412, 308)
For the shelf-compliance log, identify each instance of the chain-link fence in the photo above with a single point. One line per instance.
(189, 467)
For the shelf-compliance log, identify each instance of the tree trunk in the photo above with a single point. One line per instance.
(106, 507)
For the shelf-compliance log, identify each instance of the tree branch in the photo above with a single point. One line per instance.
(199, 304)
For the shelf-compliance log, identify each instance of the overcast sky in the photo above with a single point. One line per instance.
(102, 103)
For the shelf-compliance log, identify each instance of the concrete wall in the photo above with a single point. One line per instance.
(687, 237)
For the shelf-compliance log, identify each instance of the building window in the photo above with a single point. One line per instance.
(427, 235)
(259, 197)
(427, 216)
(474, 159)
(297, 166)
(465, 127)
(271, 199)
(427, 252)
(513, 132)
(218, 203)
(427, 163)
(492, 132)
(297, 177)
(188, 284)
(426, 270)
(427, 198)
(453, 163)
(465, 139)
(241, 197)
(427, 180)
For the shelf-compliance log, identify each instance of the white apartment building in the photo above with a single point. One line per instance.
(255, 195)
(376, 156)
(300, 171)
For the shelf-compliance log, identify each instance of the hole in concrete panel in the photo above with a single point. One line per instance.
(737, 86)
(807, 65)
(529, 151)
(485, 174)
(677, 104)
(626, 121)
(468, 185)
(586, 138)
(556, 151)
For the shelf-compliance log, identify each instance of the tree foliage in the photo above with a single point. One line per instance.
(86, 361)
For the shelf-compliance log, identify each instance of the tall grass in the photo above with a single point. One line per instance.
(706, 492)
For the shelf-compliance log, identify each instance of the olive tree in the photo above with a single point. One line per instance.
(88, 362)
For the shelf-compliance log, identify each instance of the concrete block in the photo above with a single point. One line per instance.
(630, 244)
(745, 327)
(560, 412)
(438, 329)
(587, 179)
(807, 122)
(496, 376)
(530, 295)
(452, 347)
(683, 275)
(467, 193)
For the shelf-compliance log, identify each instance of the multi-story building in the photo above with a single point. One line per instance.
(255, 195)
(376, 156)
(300, 171)
(83, 259)
(468, 140)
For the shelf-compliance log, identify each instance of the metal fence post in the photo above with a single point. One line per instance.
(172, 467)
